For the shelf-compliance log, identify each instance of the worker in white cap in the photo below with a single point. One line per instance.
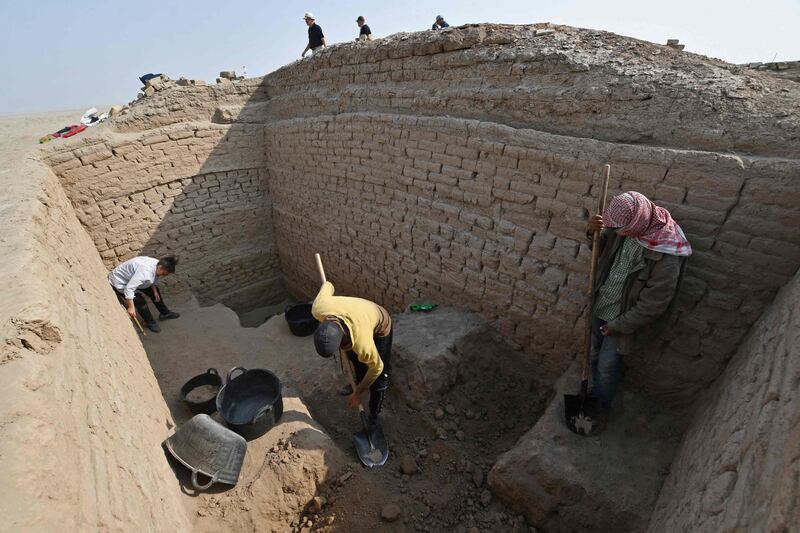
(316, 39)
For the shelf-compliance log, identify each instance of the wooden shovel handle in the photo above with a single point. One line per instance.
(592, 270)
(596, 238)
(320, 270)
(347, 366)
(141, 329)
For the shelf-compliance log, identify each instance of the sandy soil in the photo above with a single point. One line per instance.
(438, 460)
(81, 414)
(21, 133)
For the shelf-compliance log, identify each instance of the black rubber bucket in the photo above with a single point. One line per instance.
(251, 403)
(207, 405)
(300, 320)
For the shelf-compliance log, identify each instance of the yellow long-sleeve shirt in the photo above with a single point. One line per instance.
(364, 320)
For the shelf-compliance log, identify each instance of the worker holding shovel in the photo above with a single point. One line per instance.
(643, 253)
(363, 330)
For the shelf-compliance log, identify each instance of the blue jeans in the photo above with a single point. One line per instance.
(606, 363)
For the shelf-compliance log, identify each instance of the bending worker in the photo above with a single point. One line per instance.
(139, 276)
(642, 257)
(363, 329)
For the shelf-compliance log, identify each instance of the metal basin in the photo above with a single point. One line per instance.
(209, 448)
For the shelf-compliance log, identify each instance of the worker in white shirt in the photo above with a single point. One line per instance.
(139, 276)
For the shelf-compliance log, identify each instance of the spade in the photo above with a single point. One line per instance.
(582, 412)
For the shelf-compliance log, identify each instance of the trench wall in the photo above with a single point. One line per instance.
(491, 218)
(739, 464)
(196, 190)
(460, 167)
(81, 415)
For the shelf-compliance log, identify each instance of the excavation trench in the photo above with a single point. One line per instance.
(481, 415)
(456, 167)
(463, 393)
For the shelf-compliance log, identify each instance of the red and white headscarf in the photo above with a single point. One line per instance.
(633, 215)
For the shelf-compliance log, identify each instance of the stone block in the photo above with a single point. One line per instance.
(565, 482)
(154, 81)
(423, 350)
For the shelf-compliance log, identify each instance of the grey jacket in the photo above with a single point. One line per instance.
(648, 296)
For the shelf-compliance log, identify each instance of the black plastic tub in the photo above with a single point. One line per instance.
(251, 403)
(300, 320)
(204, 406)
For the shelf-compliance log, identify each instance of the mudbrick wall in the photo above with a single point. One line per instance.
(739, 465)
(492, 218)
(196, 190)
(81, 414)
(461, 166)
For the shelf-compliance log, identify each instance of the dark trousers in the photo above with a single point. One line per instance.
(141, 304)
(606, 365)
(377, 391)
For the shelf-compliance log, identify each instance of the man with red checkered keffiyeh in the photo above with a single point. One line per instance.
(643, 253)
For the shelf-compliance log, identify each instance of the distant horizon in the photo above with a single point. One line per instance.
(61, 58)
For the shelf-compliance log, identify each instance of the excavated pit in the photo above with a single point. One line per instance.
(470, 194)
(483, 414)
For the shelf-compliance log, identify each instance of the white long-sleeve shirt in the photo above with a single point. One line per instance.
(136, 273)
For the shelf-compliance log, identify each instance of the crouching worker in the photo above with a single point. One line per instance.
(139, 276)
(642, 257)
(363, 329)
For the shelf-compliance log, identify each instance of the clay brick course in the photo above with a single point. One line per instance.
(472, 193)
(459, 167)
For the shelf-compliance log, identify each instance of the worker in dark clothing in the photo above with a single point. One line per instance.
(364, 34)
(363, 330)
(440, 24)
(316, 39)
(642, 258)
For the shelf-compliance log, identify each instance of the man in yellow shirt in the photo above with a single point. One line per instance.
(363, 329)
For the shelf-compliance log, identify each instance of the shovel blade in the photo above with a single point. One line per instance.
(372, 449)
(582, 414)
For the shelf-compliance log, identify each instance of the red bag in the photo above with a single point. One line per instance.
(73, 130)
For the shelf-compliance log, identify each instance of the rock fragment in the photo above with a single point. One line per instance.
(390, 512)
(408, 465)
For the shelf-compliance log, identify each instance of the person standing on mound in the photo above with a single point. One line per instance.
(316, 39)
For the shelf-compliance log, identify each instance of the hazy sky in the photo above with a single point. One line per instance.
(73, 54)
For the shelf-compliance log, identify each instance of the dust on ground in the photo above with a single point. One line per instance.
(440, 448)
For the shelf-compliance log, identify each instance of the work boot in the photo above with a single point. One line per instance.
(167, 316)
(153, 326)
(347, 390)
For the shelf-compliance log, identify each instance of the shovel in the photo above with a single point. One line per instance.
(581, 411)
(138, 325)
(371, 446)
